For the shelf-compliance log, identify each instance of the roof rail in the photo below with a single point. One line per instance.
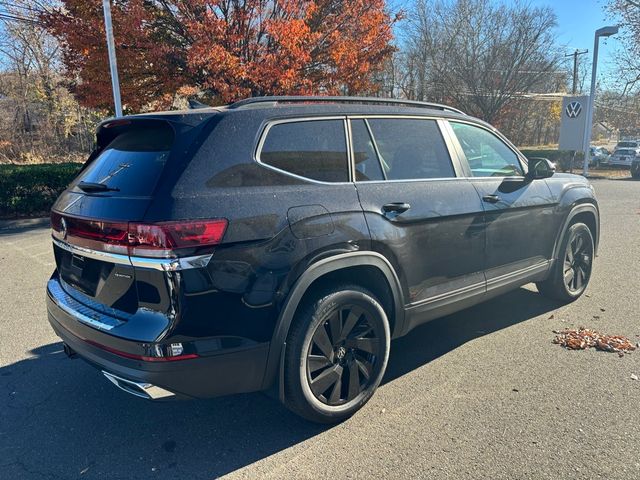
(339, 99)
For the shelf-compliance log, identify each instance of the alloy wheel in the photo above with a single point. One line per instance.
(343, 355)
(577, 262)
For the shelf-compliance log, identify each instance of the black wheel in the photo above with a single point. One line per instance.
(336, 354)
(572, 270)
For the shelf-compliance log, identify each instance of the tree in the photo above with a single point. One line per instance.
(223, 49)
(628, 12)
(479, 55)
(39, 119)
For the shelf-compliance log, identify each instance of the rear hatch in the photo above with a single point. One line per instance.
(97, 223)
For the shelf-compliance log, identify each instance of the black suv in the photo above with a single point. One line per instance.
(280, 243)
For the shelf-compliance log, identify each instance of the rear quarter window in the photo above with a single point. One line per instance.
(132, 163)
(315, 149)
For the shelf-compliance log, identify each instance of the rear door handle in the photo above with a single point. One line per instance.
(491, 198)
(397, 207)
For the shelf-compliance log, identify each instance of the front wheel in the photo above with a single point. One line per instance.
(572, 269)
(336, 354)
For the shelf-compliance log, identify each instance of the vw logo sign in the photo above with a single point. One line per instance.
(573, 109)
(63, 228)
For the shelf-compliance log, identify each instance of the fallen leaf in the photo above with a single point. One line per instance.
(584, 338)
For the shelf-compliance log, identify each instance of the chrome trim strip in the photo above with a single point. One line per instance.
(489, 284)
(163, 264)
(443, 296)
(538, 267)
(139, 389)
(350, 156)
(94, 254)
(172, 264)
(59, 301)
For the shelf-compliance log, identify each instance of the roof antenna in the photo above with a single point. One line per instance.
(195, 104)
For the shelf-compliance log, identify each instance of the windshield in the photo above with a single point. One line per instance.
(625, 152)
(627, 144)
(131, 164)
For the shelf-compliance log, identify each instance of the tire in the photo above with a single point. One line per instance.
(571, 272)
(336, 354)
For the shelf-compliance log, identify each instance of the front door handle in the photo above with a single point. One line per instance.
(397, 207)
(491, 198)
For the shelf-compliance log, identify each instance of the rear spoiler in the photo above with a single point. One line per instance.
(109, 129)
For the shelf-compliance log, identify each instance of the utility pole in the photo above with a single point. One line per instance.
(575, 67)
(113, 65)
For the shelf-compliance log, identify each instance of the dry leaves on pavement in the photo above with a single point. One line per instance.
(583, 338)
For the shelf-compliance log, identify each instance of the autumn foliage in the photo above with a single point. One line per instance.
(224, 49)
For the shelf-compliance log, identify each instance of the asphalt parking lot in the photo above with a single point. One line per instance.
(480, 394)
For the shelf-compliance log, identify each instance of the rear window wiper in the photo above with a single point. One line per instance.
(96, 187)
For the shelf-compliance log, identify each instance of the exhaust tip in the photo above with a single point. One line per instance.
(139, 389)
(69, 352)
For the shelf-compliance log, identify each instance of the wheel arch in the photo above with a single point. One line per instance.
(589, 215)
(368, 269)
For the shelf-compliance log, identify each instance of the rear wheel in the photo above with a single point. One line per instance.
(336, 354)
(572, 270)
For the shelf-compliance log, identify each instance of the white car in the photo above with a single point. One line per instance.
(623, 157)
(628, 144)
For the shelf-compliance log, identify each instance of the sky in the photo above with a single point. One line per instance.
(577, 22)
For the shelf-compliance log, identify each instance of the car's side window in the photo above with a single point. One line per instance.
(411, 148)
(315, 149)
(364, 153)
(488, 156)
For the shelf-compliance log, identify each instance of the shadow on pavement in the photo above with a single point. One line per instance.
(440, 336)
(61, 419)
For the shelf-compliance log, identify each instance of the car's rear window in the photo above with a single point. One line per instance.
(132, 163)
(626, 151)
(627, 144)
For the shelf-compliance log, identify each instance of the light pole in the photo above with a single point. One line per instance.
(113, 65)
(601, 32)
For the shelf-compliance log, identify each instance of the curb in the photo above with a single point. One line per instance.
(21, 223)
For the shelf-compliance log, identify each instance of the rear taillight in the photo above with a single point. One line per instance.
(159, 240)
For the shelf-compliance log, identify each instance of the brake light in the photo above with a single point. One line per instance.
(162, 240)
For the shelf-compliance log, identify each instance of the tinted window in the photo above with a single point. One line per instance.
(488, 156)
(132, 163)
(411, 149)
(314, 149)
(365, 157)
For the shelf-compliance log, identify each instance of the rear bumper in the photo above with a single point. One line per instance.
(213, 373)
(620, 163)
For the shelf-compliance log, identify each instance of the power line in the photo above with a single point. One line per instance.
(15, 18)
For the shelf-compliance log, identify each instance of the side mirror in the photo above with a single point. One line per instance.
(540, 168)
